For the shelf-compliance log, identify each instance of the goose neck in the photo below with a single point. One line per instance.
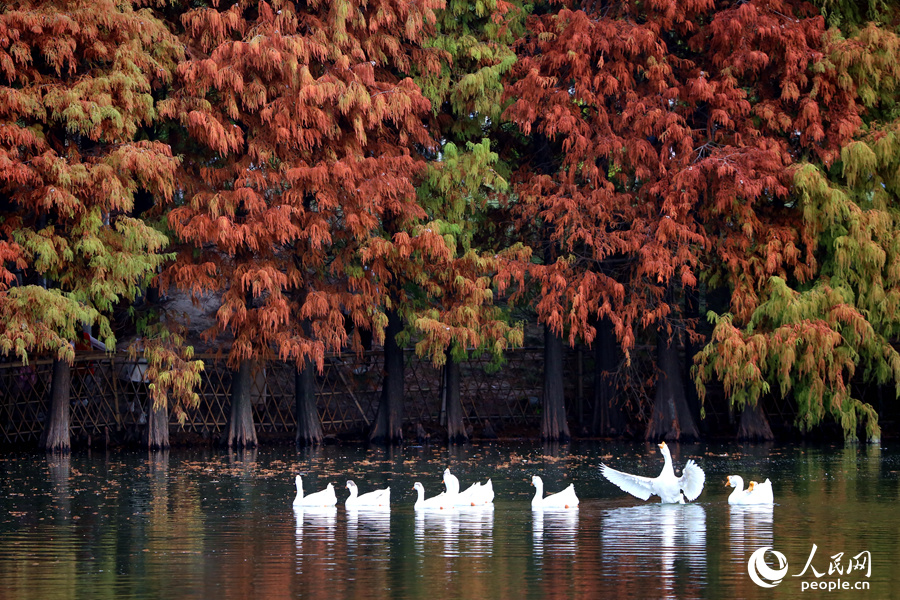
(538, 491)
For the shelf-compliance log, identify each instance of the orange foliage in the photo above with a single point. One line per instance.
(663, 140)
(306, 122)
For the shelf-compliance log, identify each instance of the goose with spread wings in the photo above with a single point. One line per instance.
(667, 486)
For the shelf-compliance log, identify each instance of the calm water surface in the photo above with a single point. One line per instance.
(190, 524)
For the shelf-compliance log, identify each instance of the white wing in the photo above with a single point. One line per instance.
(642, 487)
(692, 480)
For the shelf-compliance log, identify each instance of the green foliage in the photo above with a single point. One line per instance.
(853, 13)
(173, 373)
(814, 341)
(443, 279)
(77, 85)
(38, 320)
(456, 187)
(477, 39)
(866, 59)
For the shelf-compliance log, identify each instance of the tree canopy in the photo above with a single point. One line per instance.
(330, 170)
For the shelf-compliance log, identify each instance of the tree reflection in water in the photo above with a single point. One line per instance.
(200, 524)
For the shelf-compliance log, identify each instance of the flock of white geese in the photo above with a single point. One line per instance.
(670, 489)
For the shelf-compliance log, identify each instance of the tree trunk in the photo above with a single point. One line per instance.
(754, 425)
(241, 432)
(309, 426)
(456, 429)
(609, 418)
(157, 437)
(671, 418)
(388, 426)
(56, 433)
(553, 425)
(692, 312)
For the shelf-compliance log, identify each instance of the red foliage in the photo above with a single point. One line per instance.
(307, 125)
(671, 130)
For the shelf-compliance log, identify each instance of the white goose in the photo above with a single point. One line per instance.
(376, 499)
(563, 499)
(326, 497)
(475, 495)
(487, 492)
(440, 502)
(668, 487)
(756, 493)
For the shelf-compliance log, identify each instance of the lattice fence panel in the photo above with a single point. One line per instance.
(94, 397)
(349, 390)
(109, 394)
(24, 392)
(210, 416)
(422, 386)
(509, 393)
(272, 396)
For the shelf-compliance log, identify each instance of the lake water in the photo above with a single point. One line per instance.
(205, 524)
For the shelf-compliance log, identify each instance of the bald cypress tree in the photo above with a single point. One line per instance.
(78, 84)
(672, 133)
(813, 332)
(304, 119)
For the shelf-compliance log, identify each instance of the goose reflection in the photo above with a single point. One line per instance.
(372, 523)
(476, 527)
(314, 523)
(750, 527)
(554, 530)
(657, 538)
(437, 526)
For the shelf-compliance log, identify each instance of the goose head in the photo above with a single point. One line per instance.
(352, 487)
(538, 484)
(299, 483)
(735, 481)
(667, 456)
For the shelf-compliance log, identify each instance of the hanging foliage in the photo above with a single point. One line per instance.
(78, 84)
(306, 123)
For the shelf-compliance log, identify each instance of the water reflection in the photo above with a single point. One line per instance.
(60, 467)
(437, 532)
(367, 523)
(750, 527)
(476, 528)
(554, 531)
(318, 522)
(666, 540)
(193, 525)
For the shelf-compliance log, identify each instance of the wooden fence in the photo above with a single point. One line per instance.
(109, 397)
